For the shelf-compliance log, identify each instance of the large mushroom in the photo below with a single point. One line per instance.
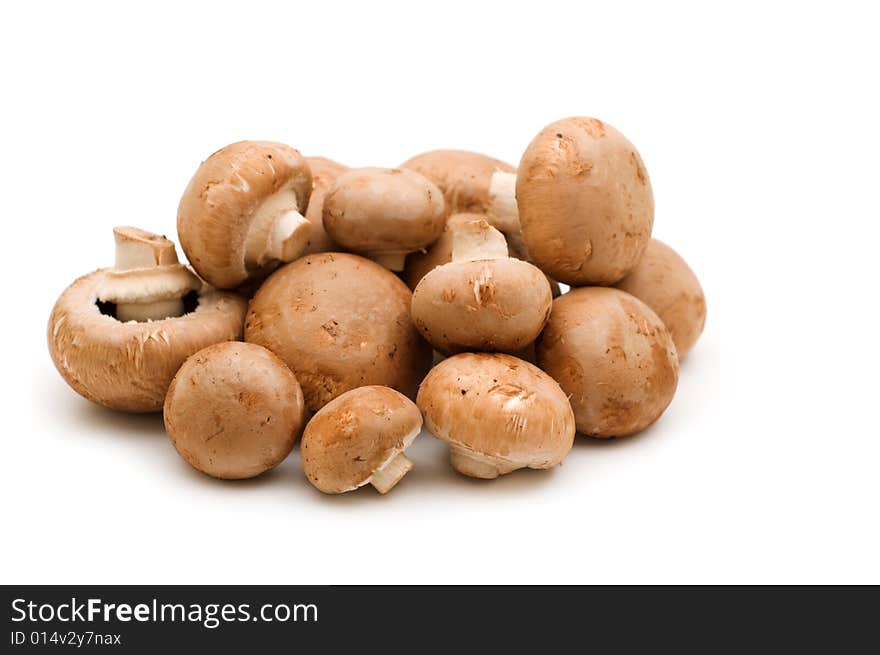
(384, 213)
(118, 335)
(497, 413)
(234, 410)
(612, 356)
(240, 216)
(585, 203)
(473, 183)
(324, 173)
(482, 300)
(339, 321)
(666, 284)
(359, 438)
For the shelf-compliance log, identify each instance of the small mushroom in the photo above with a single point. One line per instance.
(497, 413)
(482, 300)
(339, 321)
(585, 203)
(665, 283)
(419, 264)
(384, 213)
(324, 172)
(118, 335)
(612, 356)
(359, 438)
(234, 410)
(473, 183)
(240, 215)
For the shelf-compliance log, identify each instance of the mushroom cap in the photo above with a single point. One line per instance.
(585, 203)
(218, 206)
(381, 210)
(463, 176)
(612, 356)
(483, 305)
(500, 408)
(665, 283)
(339, 321)
(234, 410)
(128, 366)
(324, 172)
(355, 434)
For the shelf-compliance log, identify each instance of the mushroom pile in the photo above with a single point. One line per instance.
(356, 307)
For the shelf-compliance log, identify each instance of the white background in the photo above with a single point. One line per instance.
(759, 126)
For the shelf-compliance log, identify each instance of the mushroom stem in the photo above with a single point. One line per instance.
(136, 250)
(502, 199)
(141, 249)
(390, 473)
(393, 261)
(475, 465)
(278, 231)
(476, 240)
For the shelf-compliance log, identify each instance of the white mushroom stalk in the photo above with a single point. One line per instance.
(392, 471)
(504, 213)
(278, 231)
(147, 282)
(476, 240)
(393, 261)
(476, 465)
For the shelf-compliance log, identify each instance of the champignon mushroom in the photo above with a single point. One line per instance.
(234, 410)
(612, 356)
(473, 183)
(585, 203)
(240, 215)
(665, 283)
(324, 172)
(339, 321)
(384, 213)
(497, 413)
(482, 300)
(359, 438)
(118, 335)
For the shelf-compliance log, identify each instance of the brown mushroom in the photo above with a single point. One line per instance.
(384, 213)
(118, 335)
(473, 183)
(665, 283)
(359, 438)
(585, 203)
(324, 172)
(497, 413)
(234, 410)
(240, 215)
(339, 321)
(614, 358)
(482, 300)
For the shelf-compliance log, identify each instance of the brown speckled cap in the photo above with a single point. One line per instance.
(339, 321)
(586, 208)
(614, 358)
(359, 438)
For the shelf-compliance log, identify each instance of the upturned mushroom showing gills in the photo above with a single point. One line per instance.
(359, 438)
(497, 413)
(384, 213)
(612, 356)
(586, 208)
(234, 410)
(118, 335)
(339, 321)
(324, 172)
(473, 183)
(241, 216)
(482, 300)
(665, 283)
